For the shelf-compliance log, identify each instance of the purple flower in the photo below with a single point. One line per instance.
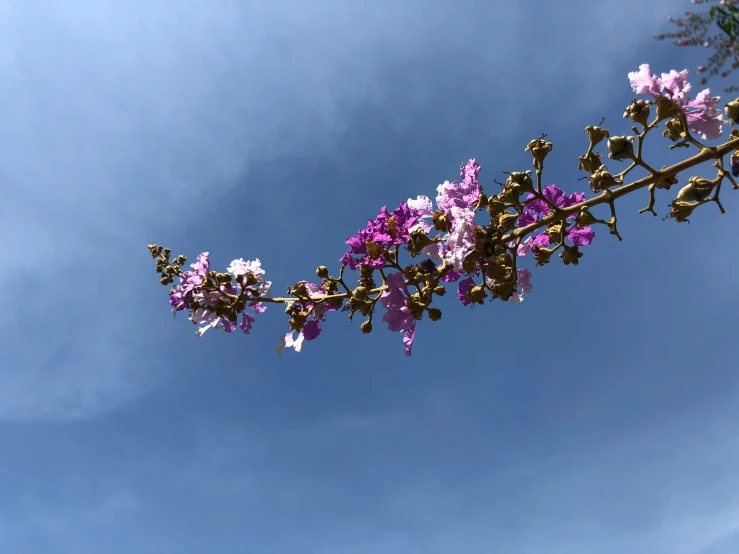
(702, 115)
(288, 341)
(424, 209)
(580, 237)
(735, 165)
(450, 276)
(540, 240)
(312, 329)
(189, 290)
(246, 322)
(190, 282)
(387, 229)
(460, 195)
(461, 239)
(535, 206)
(527, 218)
(398, 316)
(524, 280)
(464, 286)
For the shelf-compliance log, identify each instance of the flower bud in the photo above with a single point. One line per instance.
(571, 255)
(482, 201)
(439, 290)
(434, 314)
(504, 288)
(638, 111)
(539, 149)
(674, 129)
(495, 206)
(732, 111)
(477, 294)
(415, 306)
(585, 218)
(507, 221)
(620, 148)
(602, 179)
(590, 162)
(521, 178)
(542, 255)
(441, 222)
(666, 108)
(366, 326)
(596, 134)
(681, 210)
(696, 190)
(417, 241)
(322, 272)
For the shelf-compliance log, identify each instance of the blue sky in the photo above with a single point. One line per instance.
(603, 421)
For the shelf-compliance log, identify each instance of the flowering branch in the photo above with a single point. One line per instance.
(522, 218)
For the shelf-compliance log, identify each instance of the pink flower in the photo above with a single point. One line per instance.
(702, 115)
(398, 316)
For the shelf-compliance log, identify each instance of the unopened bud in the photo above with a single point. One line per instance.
(434, 314)
(590, 162)
(602, 179)
(441, 222)
(674, 129)
(507, 221)
(366, 326)
(477, 294)
(521, 178)
(539, 149)
(322, 272)
(596, 134)
(620, 148)
(495, 206)
(638, 111)
(732, 111)
(666, 108)
(439, 291)
(681, 210)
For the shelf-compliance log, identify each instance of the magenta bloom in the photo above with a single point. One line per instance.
(190, 282)
(580, 237)
(189, 290)
(702, 115)
(460, 194)
(398, 316)
(556, 196)
(464, 286)
(312, 329)
(387, 229)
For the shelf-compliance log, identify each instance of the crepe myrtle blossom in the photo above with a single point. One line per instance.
(537, 208)
(398, 316)
(182, 294)
(388, 229)
(189, 291)
(459, 194)
(522, 287)
(701, 113)
(313, 327)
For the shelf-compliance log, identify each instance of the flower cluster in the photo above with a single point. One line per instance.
(213, 299)
(466, 237)
(701, 113)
